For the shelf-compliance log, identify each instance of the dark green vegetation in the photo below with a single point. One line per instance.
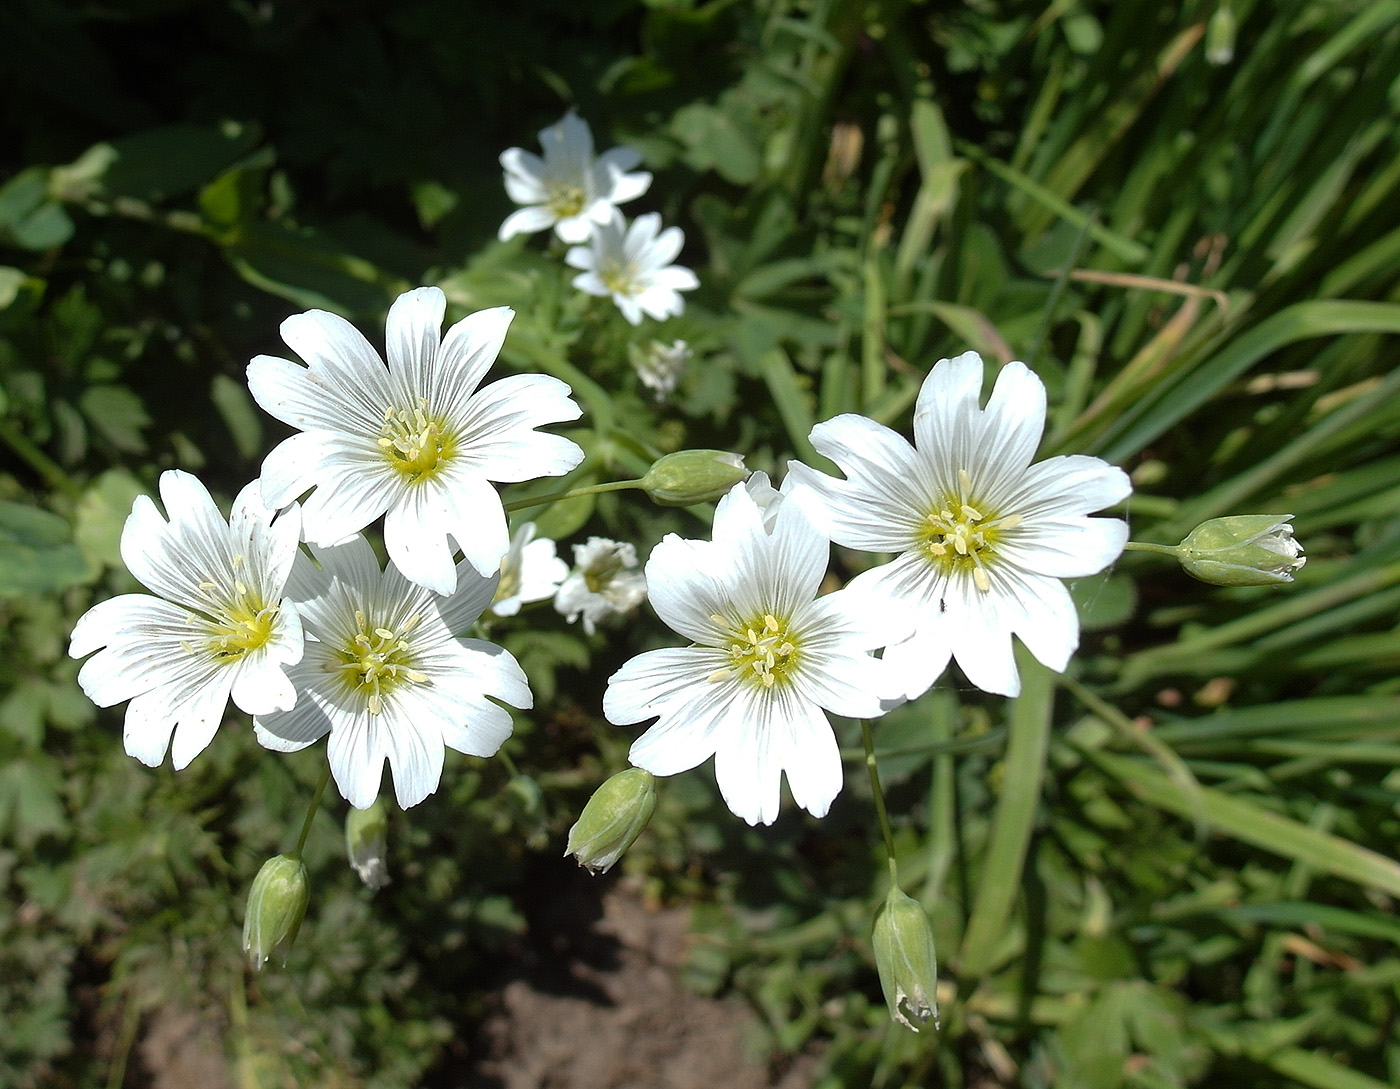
(1172, 868)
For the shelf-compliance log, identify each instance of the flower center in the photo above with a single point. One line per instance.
(376, 661)
(961, 534)
(415, 443)
(565, 200)
(762, 652)
(239, 624)
(618, 277)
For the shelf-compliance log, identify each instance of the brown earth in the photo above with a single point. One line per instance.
(629, 1024)
(597, 1004)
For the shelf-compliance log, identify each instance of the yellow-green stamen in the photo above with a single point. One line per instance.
(762, 652)
(565, 200)
(236, 624)
(961, 533)
(377, 660)
(416, 443)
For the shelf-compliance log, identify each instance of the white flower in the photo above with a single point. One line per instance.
(660, 367)
(568, 189)
(530, 572)
(417, 440)
(633, 265)
(385, 675)
(768, 658)
(602, 583)
(223, 628)
(984, 535)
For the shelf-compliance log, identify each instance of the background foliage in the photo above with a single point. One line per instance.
(1171, 868)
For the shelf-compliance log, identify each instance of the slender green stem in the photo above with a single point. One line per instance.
(311, 809)
(505, 759)
(1148, 546)
(37, 460)
(572, 493)
(867, 736)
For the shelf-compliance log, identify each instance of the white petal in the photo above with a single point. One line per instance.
(261, 687)
(411, 335)
(149, 723)
(748, 757)
(1071, 548)
(415, 753)
(199, 719)
(1069, 485)
(912, 667)
(685, 592)
(468, 351)
(356, 754)
(947, 405)
(1051, 626)
(812, 760)
(525, 220)
(1011, 426)
(652, 682)
(415, 537)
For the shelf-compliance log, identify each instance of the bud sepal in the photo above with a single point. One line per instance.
(276, 906)
(613, 819)
(688, 477)
(1242, 550)
(905, 958)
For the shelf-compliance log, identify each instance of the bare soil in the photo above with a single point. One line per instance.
(628, 1023)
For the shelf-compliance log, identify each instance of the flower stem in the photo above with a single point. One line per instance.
(311, 809)
(867, 737)
(36, 459)
(1148, 546)
(572, 493)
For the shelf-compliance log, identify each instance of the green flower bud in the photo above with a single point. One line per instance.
(367, 842)
(1242, 550)
(693, 476)
(904, 955)
(276, 907)
(1220, 36)
(613, 819)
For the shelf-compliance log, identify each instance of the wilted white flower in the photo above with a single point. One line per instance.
(385, 675)
(633, 265)
(220, 627)
(568, 189)
(767, 659)
(660, 367)
(530, 572)
(603, 583)
(984, 536)
(417, 439)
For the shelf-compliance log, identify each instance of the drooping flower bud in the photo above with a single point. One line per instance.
(613, 819)
(276, 906)
(1242, 550)
(367, 842)
(693, 476)
(904, 955)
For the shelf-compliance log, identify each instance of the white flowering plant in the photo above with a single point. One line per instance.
(700, 448)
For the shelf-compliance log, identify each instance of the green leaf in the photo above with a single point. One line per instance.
(117, 415)
(101, 514)
(1253, 824)
(240, 417)
(29, 801)
(37, 555)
